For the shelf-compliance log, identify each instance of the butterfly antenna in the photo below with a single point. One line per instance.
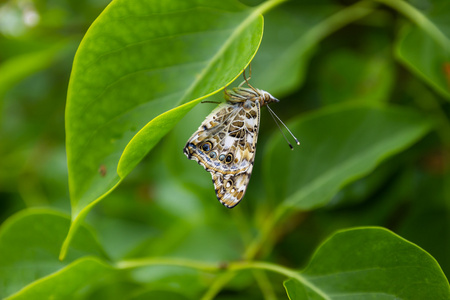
(274, 114)
(278, 125)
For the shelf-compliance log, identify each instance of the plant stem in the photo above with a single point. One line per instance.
(243, 225)
(417, 17)
(263, 235)
(265, 285)
(338, 20)
(218, 285)
(143, 262)
(223, 278)
(77, 219)
(278, 269)
(266, 6)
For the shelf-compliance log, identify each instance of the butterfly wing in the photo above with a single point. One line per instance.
(230, 189)
(225, 145)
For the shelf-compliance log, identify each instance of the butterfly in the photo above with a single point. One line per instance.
(225, 143)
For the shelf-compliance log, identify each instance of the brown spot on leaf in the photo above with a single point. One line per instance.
(102, 170)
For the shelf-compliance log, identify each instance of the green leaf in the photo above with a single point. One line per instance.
(369, 263)
(138, 61)
(339, 144)
(69, 282)
(29, 245)
(425, 49)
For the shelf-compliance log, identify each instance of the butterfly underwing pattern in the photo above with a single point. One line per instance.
(225, 143)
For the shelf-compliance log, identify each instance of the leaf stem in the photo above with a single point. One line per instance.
(77, 219)
(143, 262)
(277, 269)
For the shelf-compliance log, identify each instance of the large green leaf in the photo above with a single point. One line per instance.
(425, 48)
(29, 246)
(339, 144)
(369, 263)
(138, 61)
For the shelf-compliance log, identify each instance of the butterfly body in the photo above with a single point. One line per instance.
(225, 143)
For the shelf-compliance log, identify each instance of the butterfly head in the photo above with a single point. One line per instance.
(266, 98)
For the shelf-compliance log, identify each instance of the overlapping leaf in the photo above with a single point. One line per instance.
(43, 230)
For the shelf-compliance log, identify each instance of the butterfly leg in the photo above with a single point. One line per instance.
(206, 101)
(249, 72)
(245, 78)
(226, 92)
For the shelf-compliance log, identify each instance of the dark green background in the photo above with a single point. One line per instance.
(364, 86)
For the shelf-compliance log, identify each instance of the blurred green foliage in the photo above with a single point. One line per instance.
(364, 85)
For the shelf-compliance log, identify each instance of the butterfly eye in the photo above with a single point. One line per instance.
(207, 146)
(229, 158)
